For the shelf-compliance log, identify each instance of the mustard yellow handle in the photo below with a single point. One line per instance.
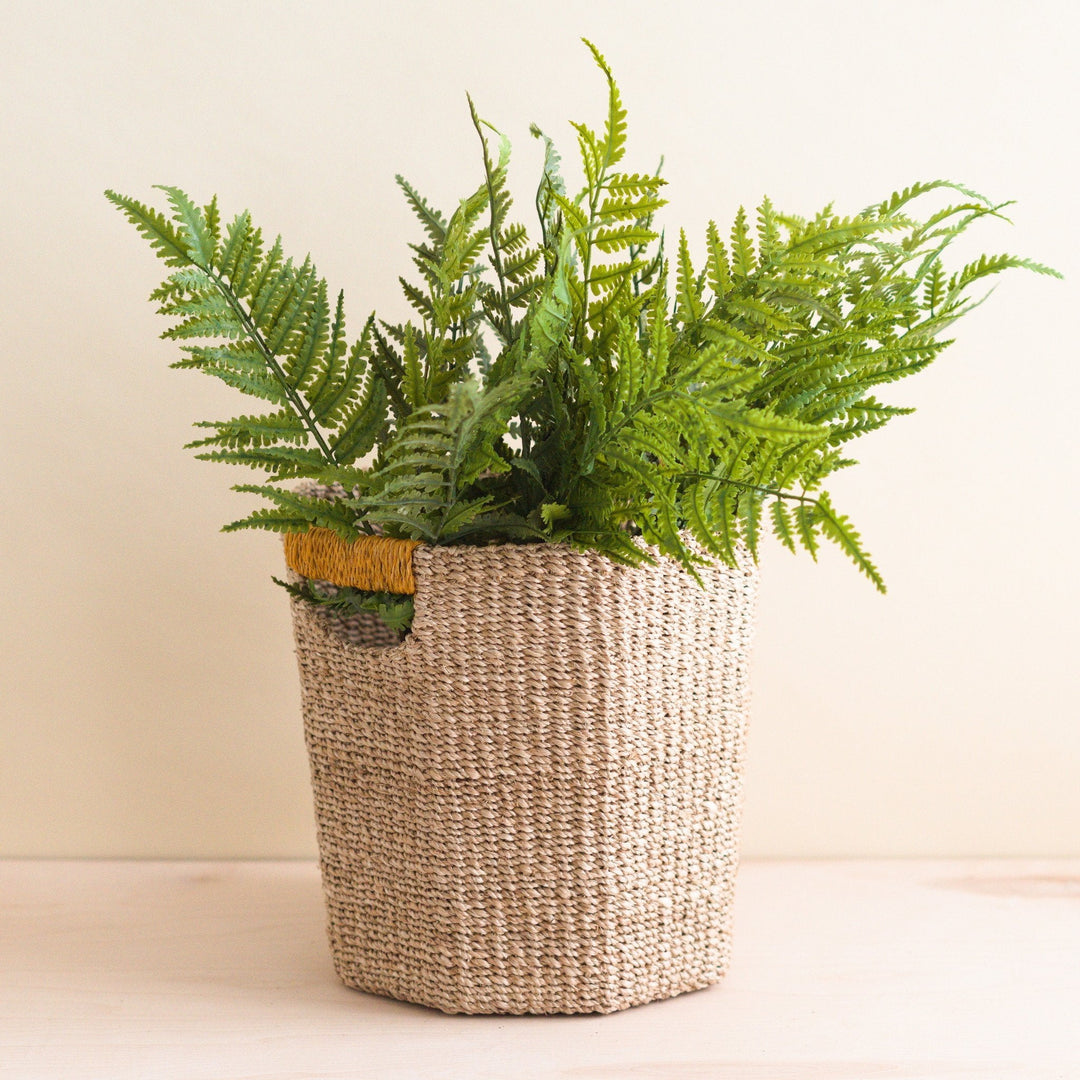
(374, 563)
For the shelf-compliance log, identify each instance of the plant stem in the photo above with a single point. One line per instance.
(300, 407)
(493, 232)
(775, 492)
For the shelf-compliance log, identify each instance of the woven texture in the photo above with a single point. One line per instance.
(531, 804)
(374, 563)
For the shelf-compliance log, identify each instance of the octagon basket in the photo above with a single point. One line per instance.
(531, 803)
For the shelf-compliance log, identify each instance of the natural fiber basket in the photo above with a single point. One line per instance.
(531, 804)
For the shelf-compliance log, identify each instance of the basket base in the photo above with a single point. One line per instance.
(601, 1006)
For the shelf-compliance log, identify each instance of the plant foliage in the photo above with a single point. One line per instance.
(395, 610)
(584, 384)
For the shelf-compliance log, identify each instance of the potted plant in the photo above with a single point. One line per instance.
(522, 530)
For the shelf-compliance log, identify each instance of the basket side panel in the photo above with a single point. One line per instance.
(677, 815)
(376, 844)
(532, 804)
(523, 670)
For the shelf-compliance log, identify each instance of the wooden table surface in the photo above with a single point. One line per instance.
(850, 970)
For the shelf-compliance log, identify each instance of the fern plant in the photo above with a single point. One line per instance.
(584, 385)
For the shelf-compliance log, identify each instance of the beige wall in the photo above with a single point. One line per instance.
(149, 699)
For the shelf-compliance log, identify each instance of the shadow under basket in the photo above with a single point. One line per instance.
(531, 803)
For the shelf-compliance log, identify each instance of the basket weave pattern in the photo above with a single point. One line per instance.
(532, 803)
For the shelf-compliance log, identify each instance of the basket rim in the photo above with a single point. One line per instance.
(386, 564)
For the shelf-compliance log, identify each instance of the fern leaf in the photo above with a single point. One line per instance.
(433, 222)
(760, 313)
(284, 315)
(768, 231)
(750, 505)
(402, 525)
(334, 514)
(237, 236)
(550, 320)
(254, 431)
(620, 237)
(519, 267)
(201, 301)
(330, 401)
(207, 324)
(837, 527)
(782, 526)
(362, 423)
(413, 385)
(611, 150)
(629, 372)
(725, 529)
(986, 265)
(717, 268)
(807, 520)
(512, 237)
(742, 246)
(610, 276)
(268, 279)
(735, 342)
(272, 519)
(525, 291)
(195, 231)
(466, 519)
(689, 306)
(889, 207)
(622, 208)
(699, 520)
(248, 257)
(330, 372)
(388, 364)
(419, 300)
(189, 280)
(551, 185)
(212, 217)
(155, 228)
(280, 461)
(628, 184)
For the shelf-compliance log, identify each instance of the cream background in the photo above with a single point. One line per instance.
(149, 698)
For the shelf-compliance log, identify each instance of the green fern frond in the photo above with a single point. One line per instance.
(837, 527)
(568, 389)
(363, 422)
(282, 462)
(154, 228)
(212, 218)
(620, 207)
(253, 431)
(744, 261)
(987, 265)
(194, 228)
(395, 610)
(807, 523)
(689, 307)
(613, 146)
(336, 515)
(433, 222)
(717, 267)
(782, 526)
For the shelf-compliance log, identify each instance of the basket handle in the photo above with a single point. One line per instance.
(373, 563)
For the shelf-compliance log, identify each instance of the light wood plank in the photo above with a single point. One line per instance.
(843, 970)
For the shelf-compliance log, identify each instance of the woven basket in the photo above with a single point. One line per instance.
(531, 804)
